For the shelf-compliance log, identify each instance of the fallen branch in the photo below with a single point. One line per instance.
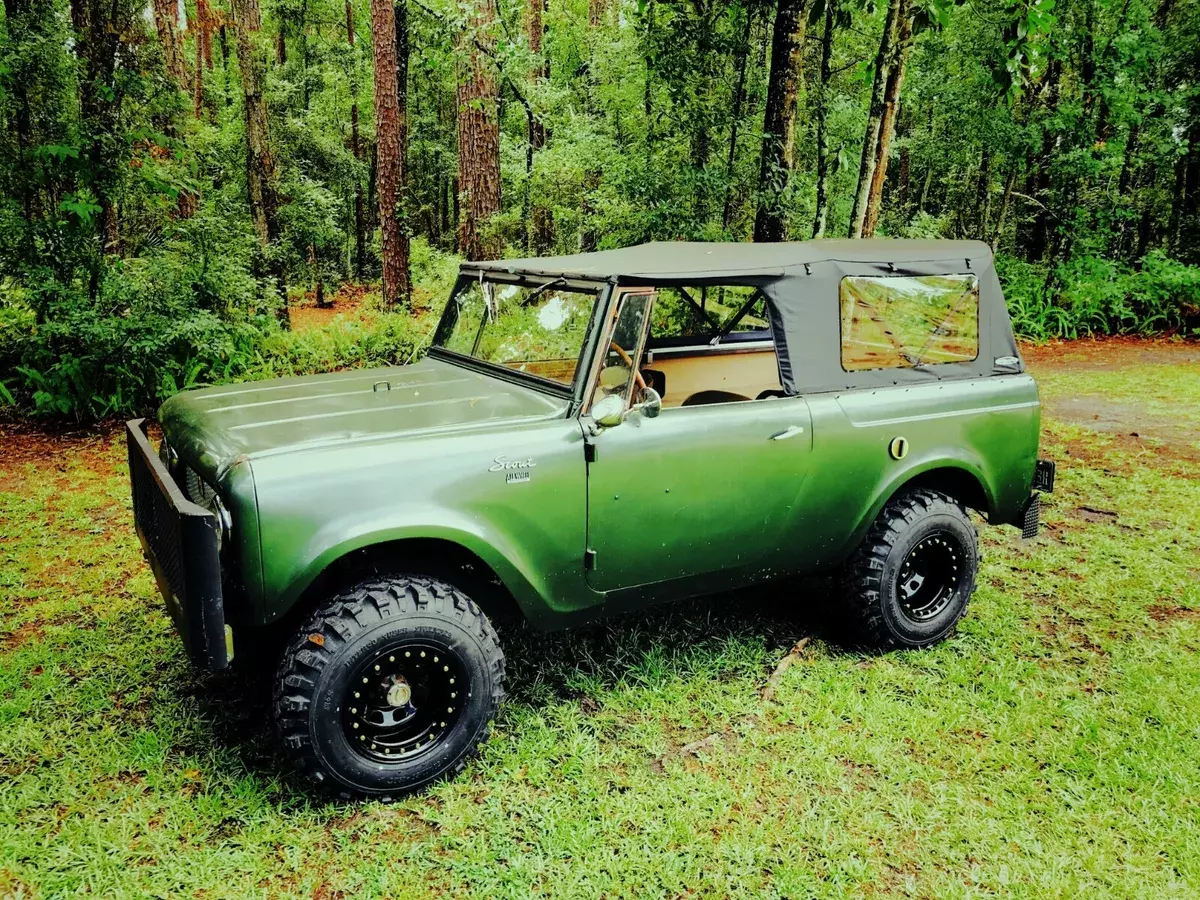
(768, 691)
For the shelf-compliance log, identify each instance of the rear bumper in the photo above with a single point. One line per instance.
(179, 540)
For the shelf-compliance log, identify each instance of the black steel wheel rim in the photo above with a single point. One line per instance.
(404, 700)
(928, 577)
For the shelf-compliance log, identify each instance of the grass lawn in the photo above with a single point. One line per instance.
(1050, 749)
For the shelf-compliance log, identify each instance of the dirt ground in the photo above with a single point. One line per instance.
(1073, 374)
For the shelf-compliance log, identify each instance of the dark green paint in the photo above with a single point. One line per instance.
(699, 498)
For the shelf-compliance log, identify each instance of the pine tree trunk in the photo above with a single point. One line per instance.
(387, 152)
(166, 22)
(202, 25)
(260, 160)
(891, 110)
(360, 228)
(821, 217)
(779, 120)
(870, 149)
(540, 221)
(402, 197)
(478, 134)
(739, 99)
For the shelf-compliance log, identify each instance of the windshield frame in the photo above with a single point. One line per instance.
(570, 391)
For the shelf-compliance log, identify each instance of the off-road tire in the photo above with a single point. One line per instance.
(920, 518)
(348, 632)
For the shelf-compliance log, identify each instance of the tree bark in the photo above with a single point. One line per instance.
(388, 151)
(540, 220)
(821, 217)
(478, 133)
(870, 149)
(739, 99)
(166, 22)
(360, 228)
(202, 25)
(402, 186)
(779, 120)
(260, 160)
(896, 62)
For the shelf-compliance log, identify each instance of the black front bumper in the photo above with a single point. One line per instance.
(179, 540)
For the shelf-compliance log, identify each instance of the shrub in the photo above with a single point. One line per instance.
(1093, 296)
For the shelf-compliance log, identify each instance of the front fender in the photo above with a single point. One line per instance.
(532, 586)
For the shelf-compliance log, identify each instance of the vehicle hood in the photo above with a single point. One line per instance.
(215, 427)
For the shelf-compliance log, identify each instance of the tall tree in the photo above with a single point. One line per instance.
(360, 224)
(388, 152)
(779, 120)
(166, 22)
(741, 62)
(539, 219)
(894, 45)
(478, 132)
(824, 155)
(261, 176)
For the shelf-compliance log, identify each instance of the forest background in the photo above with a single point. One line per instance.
(181, 180)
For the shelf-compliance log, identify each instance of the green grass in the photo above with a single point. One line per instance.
(1050, 749)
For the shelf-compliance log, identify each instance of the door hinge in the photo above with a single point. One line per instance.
(589, 560)
(589, 449)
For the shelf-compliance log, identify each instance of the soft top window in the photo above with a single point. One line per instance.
(708, 312)
(905, 321)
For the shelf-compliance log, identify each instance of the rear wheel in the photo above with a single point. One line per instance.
(389, 686)
(912, 576)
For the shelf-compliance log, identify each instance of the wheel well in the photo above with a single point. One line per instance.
(958, 483)
(441, 559)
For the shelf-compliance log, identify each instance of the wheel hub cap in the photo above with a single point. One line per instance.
(399, 694)
(928, 578)
(404, 700)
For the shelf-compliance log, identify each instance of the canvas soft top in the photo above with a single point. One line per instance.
(696, 262)
(801, 282)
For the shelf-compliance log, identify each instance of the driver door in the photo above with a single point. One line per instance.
(694, 490)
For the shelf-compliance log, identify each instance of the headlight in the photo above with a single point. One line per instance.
(204, 495)
(168, 455)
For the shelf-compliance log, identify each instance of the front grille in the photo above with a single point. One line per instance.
(158, 521)
(180, 541)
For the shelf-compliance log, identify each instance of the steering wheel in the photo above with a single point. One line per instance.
(628, 360)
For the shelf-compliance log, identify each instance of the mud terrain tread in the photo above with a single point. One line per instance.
(343, 617)
(863, 571)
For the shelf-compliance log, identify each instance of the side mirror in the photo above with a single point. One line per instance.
(609, 411)
(651, 406)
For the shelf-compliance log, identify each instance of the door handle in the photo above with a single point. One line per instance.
(788, 433)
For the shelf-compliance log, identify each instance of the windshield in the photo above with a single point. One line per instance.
(536, 329)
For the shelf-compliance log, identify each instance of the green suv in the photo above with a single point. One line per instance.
(589, 434)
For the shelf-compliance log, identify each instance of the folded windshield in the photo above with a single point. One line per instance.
(536, 329)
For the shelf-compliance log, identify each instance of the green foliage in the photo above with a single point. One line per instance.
(1089, 296)
(1064, 132)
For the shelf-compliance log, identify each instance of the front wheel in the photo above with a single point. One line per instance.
(389, 686)
(912, 576)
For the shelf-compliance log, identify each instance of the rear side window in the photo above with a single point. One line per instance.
(898, 322)
(705, 311)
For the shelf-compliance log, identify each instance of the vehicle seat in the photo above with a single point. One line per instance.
(656, 379)
(701, 398)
